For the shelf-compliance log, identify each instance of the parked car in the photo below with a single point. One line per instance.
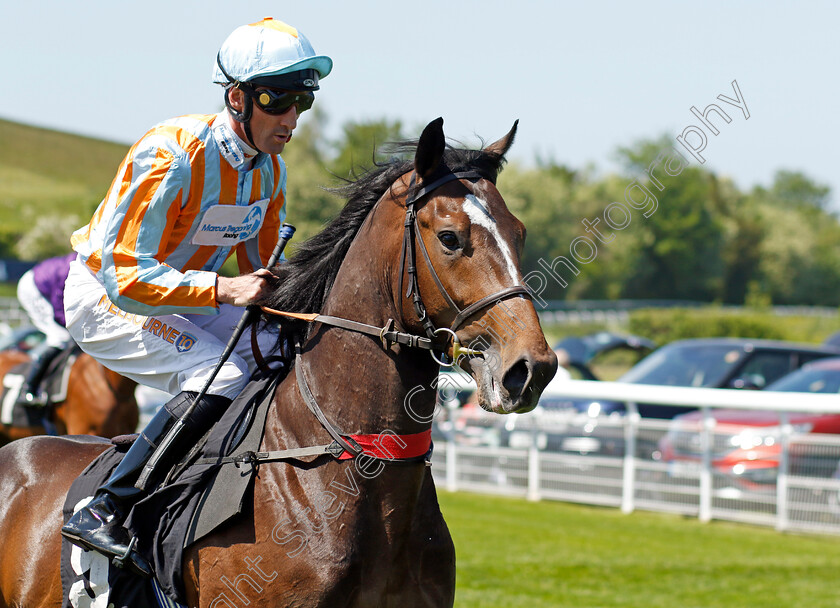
(746, 448)
(456, 389)
(714, 363)
(582, 351)
(707, 362)
(462, 420)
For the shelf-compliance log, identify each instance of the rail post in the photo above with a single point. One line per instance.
(782, 522)
(706, 442)
(451, 458)
(628, 488)
(534, 468)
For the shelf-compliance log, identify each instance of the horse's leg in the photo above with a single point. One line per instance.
(35, 474)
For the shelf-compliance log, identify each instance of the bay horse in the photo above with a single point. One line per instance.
(99, 401)
(330, 532)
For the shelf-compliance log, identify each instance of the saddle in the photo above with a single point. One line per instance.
(53, 384)
(206, 490)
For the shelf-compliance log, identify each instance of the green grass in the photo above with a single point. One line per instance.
(61, 157)
(50, 183)
(512, 553)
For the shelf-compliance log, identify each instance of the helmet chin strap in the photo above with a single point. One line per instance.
(243, 117)
(247, 126)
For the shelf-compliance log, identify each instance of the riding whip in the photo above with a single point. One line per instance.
(286, 233)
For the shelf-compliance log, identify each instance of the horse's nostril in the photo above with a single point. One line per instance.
(516, 379)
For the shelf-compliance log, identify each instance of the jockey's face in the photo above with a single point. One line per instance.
(270, 131)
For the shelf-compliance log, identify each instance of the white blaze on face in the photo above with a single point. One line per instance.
(479, 213)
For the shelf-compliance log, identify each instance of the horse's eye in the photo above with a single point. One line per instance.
(449, 240)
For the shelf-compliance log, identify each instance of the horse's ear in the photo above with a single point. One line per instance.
(503, 145)
(430, 149)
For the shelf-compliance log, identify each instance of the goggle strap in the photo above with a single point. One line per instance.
(230, 78)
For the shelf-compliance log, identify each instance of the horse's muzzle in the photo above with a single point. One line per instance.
(515, 388)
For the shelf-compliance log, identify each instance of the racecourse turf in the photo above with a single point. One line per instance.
(514, 553)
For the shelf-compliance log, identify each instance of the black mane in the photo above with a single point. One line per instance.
(307, 277)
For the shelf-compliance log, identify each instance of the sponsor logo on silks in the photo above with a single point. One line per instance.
(240, 232)
(252, 222)
(109, 306)
(182, 341)
(162, 330)
(229, 149)
(185, 342)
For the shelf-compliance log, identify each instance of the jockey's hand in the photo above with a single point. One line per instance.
(245, 289)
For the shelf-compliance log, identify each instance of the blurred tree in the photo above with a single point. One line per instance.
(796, 190)
(315, 165)
(677, 250)
(706, 240)
(40, 241)
(309, 206)
(362, 144)
(543, 201)
(799, 258)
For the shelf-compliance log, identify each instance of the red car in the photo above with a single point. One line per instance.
(746, 443)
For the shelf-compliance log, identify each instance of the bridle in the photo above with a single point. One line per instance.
(344, 445)
(408, 266)
(408, 263)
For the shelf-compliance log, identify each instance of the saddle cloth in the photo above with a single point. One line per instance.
(54, 384)
(200, 497)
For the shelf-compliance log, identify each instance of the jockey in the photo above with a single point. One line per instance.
(144, 297)
(41, 293)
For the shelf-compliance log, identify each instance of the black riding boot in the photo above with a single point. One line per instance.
(42, 355)
(99, 525)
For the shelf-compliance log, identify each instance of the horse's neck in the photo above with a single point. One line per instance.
(359, 385)
(365, 388)
(361, 388)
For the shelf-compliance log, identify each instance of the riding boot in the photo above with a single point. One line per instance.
(99, 525)
(42, 356)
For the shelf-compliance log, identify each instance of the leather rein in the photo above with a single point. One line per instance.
(350, 446)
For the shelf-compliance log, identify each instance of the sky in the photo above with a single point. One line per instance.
(583, 78)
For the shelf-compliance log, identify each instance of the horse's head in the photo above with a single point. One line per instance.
(468, 271)
(432, 245)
